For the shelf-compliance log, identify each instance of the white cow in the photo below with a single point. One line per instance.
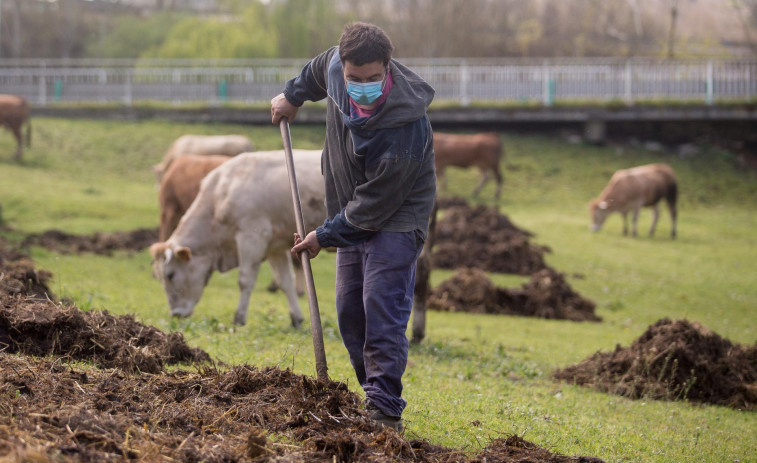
(228, 145)
(242, 216)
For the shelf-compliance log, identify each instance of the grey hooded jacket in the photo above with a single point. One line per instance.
(379, 170)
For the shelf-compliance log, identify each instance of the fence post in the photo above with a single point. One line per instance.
(710, 83)
(223, 91)
(548, 86)
(43, 85)
(627, 83)
(128, 90)
(464, 78)
(57, 89)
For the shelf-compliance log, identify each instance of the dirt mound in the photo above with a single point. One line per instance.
(98, 243)
(41, 328)
(19, 277)
(546, 295)
(31, 323)
(482, 237)
(52, 410)
(674, 360)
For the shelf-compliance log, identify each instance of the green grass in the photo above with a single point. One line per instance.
(86, 176)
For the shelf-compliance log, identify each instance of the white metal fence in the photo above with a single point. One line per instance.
(464, 81)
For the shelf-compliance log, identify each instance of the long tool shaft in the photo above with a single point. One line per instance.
(315, 314)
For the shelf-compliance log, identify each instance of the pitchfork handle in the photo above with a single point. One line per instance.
(315, 314)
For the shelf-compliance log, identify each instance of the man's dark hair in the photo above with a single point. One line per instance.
(363, 43)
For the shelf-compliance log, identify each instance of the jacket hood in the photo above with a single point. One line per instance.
(407, 102)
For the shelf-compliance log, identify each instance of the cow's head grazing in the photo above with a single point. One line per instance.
(183, 275)
(599, 210)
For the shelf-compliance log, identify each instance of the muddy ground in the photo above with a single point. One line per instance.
(674, 360)
(482, 237)
(546, 295)
(98, 243)
(124, 407)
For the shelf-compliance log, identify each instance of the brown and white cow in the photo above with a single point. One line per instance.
(631, 189)
(242, 216)
(180, 186)
(228, 145)
(482, 150)
(14, 113)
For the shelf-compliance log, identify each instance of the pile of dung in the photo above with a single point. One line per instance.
(546, 295)
(482, 237)
(31, 322)
(674, 360)
(19, 277)
(50, 410)
(41, 327)
(98, 243)
(131, 408)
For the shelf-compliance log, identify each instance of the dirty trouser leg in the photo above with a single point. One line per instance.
(373, 325)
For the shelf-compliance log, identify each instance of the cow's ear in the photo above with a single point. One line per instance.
(157, 248)
(603, 205)
(184, 253)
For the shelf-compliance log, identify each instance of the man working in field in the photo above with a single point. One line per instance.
(378, 164)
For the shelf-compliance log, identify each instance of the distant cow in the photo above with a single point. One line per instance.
(228, 145)
(482, 150)
(242, 216)
(631, 189)
(180, 186)
(14, 112)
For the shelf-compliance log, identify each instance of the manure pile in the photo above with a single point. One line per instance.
(674, 360)
(132, 409)
(98, 243)
(481, 237)
(546, 295)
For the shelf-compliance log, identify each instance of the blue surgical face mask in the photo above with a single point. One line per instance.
(365, 93)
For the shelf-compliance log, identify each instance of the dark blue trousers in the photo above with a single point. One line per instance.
(374, 296)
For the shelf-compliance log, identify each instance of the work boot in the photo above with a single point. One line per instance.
(377, 416)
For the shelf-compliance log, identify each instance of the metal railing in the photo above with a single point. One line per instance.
(464, 81)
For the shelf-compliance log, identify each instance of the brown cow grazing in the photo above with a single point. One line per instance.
(631, 189)
(180, 186)
(14, 112)
(229, 145)
(483, 150)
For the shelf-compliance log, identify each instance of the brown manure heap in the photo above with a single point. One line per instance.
(56, 412)
(98, 243)
(132, 409)
(482, 237)
(31, 322)
(546, 295)
(674, 360)
(19, 277)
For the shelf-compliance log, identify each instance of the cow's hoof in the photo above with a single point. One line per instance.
(297, 322)
(238, 320)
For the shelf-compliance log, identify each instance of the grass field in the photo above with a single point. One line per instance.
(475, 377)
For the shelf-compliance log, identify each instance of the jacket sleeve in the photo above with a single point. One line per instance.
(339, 233)
(312, 83)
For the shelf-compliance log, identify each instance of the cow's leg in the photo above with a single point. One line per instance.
(655, 216)
(19, 148)
(500, 179)
(625, 223)
(673, 217)
(441, 178)
(252, 250)
(635, 220)
(420, 296)
(281, 264)
(484, 179)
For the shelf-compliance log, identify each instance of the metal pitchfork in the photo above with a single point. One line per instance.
(315, 315)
